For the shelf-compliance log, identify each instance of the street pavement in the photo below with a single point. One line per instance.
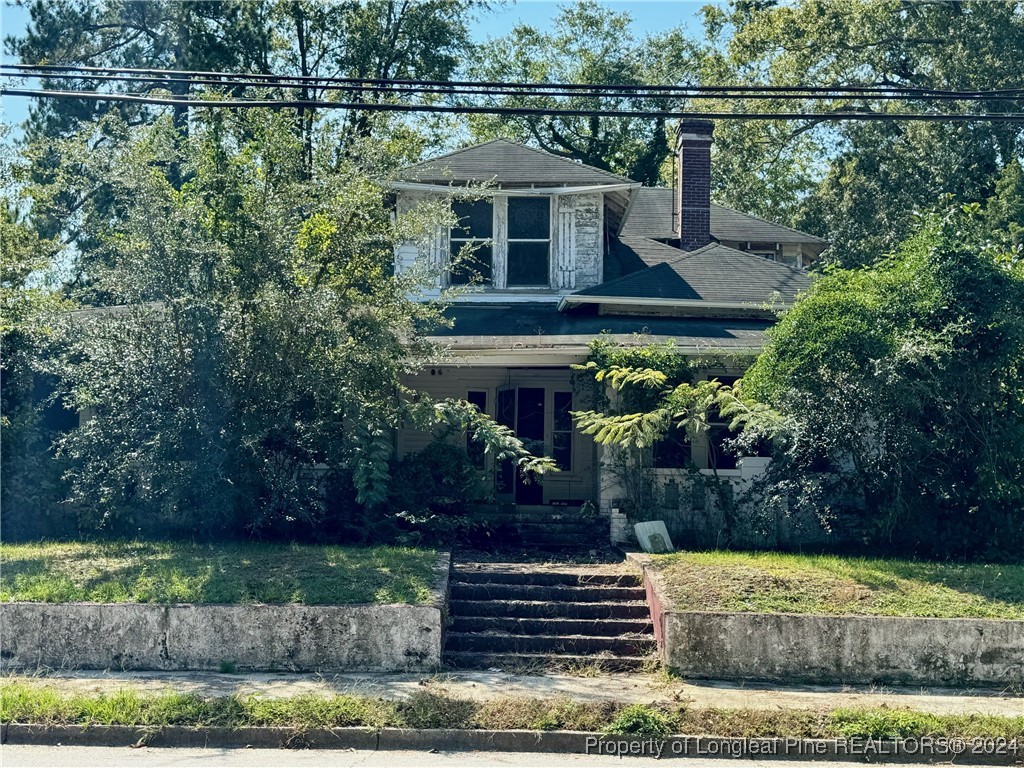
(16, 756)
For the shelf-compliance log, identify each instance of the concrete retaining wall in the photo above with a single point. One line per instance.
(835, 649)
(207, 637)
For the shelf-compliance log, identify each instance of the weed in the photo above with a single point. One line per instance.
(26, 701)
(433, 710)
(639, 720)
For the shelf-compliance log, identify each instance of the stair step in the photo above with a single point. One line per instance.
(511, 575)
(525, 662)
(492, 642)
(538, 519)
(578, 594)
(560, 529)
(544, 609)
(552, 543)
(528, 626)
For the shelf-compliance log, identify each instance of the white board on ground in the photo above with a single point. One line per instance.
(653, 537)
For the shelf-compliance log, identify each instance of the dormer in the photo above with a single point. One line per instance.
(537, 225)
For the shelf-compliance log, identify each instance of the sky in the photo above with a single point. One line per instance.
(649, 16)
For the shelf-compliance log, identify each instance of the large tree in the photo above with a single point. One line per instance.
(28, 491)
(860, 183)
(225, 35)
(374, 39)
(586, 44)
(252, 352)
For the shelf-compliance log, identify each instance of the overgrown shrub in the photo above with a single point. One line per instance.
(432, 489)
(897, 395)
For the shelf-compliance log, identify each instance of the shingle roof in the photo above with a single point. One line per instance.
(727, 224)
(541, 326)
(651, 215)
(714, 273)
(508, 164)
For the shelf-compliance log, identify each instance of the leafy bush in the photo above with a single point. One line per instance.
(252, 339)
(897, 397)
(431, 490)
(640, 720)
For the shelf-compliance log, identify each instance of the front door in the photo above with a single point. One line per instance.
(522, 409)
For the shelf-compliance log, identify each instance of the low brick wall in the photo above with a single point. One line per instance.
(206, 637)
(835, 649)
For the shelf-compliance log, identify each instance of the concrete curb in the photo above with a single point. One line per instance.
(934, 750)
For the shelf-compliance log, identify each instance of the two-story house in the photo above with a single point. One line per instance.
(566, 252)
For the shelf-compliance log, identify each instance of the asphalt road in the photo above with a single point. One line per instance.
(15, 756)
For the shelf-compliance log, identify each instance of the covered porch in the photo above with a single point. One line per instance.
(536, 403)
(514, 362)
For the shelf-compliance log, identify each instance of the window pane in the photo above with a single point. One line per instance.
(562, 450)
(476, 267)
(527, 264)
(476, 218)
(563, 405)
(718, 458)
(672, 452)
(529, 218)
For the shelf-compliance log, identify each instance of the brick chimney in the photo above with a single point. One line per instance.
(693, 196)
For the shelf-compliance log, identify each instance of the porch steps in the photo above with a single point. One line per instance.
(527, 617)
(546, 527)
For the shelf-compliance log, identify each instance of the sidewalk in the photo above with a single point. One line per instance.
(490, 685)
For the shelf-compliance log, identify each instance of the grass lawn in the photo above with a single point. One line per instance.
(22, 702)
(170, 572)
(825, 584)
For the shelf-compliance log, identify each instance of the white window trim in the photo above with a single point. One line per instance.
(499, 242)
(549, 240)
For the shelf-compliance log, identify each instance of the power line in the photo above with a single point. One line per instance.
(236, 103)
(535, 90)
(881, 92)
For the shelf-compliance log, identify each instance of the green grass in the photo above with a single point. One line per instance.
(824, 584)
(25, 702)
(169, 572)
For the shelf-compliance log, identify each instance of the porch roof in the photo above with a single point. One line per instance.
(537, 327)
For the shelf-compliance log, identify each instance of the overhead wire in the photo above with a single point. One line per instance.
(471, 92)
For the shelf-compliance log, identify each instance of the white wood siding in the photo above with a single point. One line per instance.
(432, 253)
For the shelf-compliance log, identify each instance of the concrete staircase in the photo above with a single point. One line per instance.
(522, 617)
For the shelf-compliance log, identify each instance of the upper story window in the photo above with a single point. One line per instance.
(511, 239)
(529, 241)
(475, 227)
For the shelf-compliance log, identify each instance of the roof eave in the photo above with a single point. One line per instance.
(641, 301)
(454, 186)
